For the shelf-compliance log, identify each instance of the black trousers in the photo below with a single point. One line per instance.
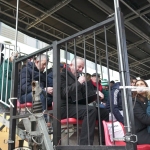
(104, 115)
(82, 114)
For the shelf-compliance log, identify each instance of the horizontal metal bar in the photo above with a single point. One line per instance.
(35, 53)
(21, 116)
(86, 31)
(90, 147)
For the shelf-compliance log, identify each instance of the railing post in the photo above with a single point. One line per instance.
(13, 111)
(124, 77)
(56, 95)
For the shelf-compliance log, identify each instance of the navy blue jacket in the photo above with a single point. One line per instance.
(50, 83)
(26, 78)
(116, 102)
(50, 79)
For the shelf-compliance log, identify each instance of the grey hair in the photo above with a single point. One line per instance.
(76, 58)
(42, 56)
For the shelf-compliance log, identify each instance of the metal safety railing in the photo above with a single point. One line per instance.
(86, 45)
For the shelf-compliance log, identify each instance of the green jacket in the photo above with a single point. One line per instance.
(5, 78)
(106, 95)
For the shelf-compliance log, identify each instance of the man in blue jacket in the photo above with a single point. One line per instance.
(34, 71)
(116, 102)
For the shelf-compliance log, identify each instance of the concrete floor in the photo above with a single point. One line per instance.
(73, 137)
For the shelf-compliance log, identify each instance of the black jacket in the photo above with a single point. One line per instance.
(26, 78)
(142, 120)
(91, 87)
(71, 88)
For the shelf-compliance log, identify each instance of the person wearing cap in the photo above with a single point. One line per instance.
(92, 84)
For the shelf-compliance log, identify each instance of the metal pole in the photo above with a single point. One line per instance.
(130, 136)
(116, 4)
(110, 98)
(100, 62)
(12, 128)
(16, 33)
(56, 94)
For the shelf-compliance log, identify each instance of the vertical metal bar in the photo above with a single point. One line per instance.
(11, 88)
(20, 76)
(100, 62)
(125, 77)
(13, 111)
(7, 80)
(86, 90)
(32, 67)
(66, 47)
(56, 93)
(46, 80)
(99, 119)
(39, 55)
(106, 46)
(16, 32)
(26, 89)
(126, 115)
(3, 74)
(75, 55)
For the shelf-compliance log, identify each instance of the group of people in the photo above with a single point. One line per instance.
(34, 70)
(141, 109)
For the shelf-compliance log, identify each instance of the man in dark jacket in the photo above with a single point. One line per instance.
(72, 74)
(34, 71)
(116, 102)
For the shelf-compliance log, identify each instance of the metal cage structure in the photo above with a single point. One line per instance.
(80, 50)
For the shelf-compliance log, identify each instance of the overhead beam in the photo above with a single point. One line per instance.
(140, 62)
(112, 60)
(139, 15)
(54, 35)
(106, 7)
(130, 26)
(48, 13)
(110, 11)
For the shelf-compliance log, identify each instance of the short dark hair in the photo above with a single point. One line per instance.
(112, 82)
(132, 78)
